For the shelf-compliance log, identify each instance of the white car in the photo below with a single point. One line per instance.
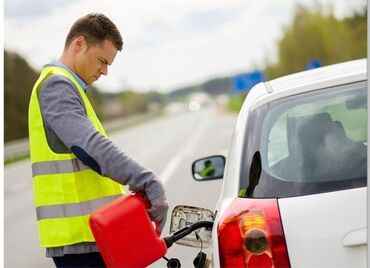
(294, 189)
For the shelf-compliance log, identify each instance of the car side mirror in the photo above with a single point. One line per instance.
(183, 216)
(209, 168)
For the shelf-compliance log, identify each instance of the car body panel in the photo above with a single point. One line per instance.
(318, 229)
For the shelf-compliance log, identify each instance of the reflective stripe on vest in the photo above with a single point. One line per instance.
(74, 209)
(55, 167)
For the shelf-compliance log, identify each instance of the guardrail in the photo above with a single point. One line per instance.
(20, 148)
(16, 149)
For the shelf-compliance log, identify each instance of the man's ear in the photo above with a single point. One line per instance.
(79, 43)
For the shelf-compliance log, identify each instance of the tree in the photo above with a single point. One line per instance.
(314, 34)
(19, 79)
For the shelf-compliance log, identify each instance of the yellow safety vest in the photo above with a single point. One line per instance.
(207, 171)
(66, 191)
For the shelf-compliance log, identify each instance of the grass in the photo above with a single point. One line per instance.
(235, 103)
(16, 159)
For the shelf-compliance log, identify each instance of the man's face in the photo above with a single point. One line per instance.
(91, 62)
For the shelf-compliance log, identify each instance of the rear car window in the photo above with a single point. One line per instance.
(308, 143)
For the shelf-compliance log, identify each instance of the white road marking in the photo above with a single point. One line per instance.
(188, 147)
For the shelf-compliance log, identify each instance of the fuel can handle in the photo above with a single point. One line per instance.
(147, 205)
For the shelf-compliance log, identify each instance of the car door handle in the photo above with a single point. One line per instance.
(355, 238)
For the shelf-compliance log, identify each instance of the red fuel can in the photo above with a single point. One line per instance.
(124, 233)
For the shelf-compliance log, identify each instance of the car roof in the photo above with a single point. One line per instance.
(319, 78)
(341, 73)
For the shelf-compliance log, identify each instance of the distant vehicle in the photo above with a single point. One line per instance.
(294, 189)
(198, 100)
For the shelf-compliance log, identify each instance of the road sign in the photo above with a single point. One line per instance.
(244, 82)
(312, 64)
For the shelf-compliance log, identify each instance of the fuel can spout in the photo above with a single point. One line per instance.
(170, 239)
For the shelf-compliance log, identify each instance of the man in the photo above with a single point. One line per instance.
(208, 169)
(76, 168)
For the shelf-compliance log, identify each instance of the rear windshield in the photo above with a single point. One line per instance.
(308, 143)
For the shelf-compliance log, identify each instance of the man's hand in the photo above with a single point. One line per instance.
(158, 211)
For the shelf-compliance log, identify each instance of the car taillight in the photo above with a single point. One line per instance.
(250, 235)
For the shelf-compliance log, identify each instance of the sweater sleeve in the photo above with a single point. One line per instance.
(64, 114)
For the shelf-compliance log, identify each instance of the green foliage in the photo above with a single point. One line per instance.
(314, 34)
(19, 79)
(235, 103)
(96, 99)
(18, 82)
(133, 102)
(112, 105)
(155, 97)
(213, 87)
(358, 25)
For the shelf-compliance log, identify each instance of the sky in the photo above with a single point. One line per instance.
(168, 44)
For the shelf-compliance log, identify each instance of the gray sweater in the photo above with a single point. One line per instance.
(68, 129)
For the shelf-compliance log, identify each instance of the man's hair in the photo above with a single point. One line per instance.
(95, 28)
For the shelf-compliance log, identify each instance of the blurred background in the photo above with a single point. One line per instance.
(173, 94)
(173, 50)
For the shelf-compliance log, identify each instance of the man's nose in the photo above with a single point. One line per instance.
(104, 69)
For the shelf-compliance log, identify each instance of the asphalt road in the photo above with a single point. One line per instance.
(167, 145)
